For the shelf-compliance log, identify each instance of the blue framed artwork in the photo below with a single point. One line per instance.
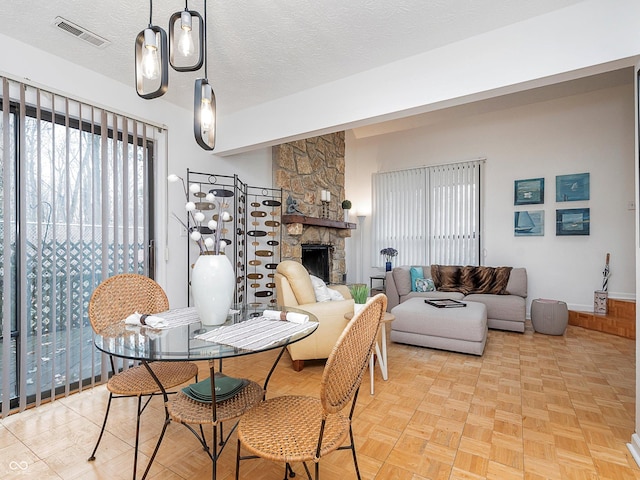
(528, 223)
(572, 188)
(528, 192)
(573, 221)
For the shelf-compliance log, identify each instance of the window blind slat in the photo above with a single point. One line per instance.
(7, 287)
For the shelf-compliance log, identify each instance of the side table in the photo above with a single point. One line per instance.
(381, 347)
(380, 288)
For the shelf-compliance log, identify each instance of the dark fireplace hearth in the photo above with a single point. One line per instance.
(317, 260)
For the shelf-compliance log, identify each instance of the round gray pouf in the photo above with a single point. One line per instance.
(549, 316)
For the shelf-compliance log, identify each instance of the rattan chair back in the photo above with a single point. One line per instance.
(349, 359)
(121, 295)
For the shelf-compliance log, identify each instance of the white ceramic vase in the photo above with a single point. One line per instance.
(212, 286)
(357, 307)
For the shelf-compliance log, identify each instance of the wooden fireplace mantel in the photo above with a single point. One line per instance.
(318, 222)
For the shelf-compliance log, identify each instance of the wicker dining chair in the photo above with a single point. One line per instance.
(111, 302)
(304, 429)
(189, 412)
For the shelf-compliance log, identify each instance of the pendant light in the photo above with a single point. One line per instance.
(152, 65)
(185, 27)
(204, 104)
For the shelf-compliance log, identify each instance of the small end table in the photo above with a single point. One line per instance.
(378, 288)
(381, 347)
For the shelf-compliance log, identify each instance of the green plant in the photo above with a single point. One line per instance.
(346, 204)
(359, 292)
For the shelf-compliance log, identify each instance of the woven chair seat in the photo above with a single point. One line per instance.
(138, 381)
(185, 410)
(286, 429)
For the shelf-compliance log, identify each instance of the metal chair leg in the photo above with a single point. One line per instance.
(353, 451)
(135, 453)
(288, 471)
(215, 452)
(238, 461)
(104, 424)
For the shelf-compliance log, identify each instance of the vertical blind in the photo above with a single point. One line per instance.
(75, 209)
(431, 215)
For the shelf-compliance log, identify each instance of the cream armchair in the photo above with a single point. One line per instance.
(294, 289)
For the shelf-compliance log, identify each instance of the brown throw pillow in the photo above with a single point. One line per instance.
(476, 279)
(446, 278)
(502, 278)
(487, 280)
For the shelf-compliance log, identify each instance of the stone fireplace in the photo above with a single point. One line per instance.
(303, 169)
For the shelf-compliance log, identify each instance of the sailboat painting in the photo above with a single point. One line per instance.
(572, 188)
(528, 223)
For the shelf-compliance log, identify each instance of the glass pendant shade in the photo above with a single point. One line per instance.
(204, 108)
(186, 40)
(152, 64)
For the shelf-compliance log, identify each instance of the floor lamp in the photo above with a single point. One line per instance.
(361, 253)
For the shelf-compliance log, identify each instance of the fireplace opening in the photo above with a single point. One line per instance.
(316, 259)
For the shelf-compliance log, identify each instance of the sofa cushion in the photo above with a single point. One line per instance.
(402, 279)
(517, 284)
(488, 280)
(501, 307)
(434, 294)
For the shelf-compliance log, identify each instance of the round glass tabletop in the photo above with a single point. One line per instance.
(185, 341)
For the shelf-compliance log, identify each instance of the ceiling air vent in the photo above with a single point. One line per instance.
(80, 32)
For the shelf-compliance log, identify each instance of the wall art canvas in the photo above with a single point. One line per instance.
(572, 188)
(529, 223)
(529, 191)
(573, 221)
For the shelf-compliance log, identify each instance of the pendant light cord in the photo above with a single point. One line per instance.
(206, 49)
(150, 12)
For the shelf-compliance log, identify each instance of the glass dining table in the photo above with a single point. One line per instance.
(247, 331)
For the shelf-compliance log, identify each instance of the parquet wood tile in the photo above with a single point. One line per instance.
(531, 407)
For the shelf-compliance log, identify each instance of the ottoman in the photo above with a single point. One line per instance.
(457, 329)
(549, 316)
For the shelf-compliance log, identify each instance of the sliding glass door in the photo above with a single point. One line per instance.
(76, 202)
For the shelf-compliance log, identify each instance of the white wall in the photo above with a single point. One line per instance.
(591, 132)
(20, 61)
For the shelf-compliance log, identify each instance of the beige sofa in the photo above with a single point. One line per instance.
(294, 289)
(504, 312)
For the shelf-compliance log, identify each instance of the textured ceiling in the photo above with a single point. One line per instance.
(260, 50)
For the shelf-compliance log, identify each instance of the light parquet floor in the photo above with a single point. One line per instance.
(532, 407)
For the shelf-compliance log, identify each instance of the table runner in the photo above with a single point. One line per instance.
(255, 334)
(178, 316)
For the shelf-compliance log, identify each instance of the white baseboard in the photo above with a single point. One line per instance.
(622, 296)
(634, 447)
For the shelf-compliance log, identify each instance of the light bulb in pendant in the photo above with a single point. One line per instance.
(206, 109)
(150, 56)
(206, 115)
(185, 43)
